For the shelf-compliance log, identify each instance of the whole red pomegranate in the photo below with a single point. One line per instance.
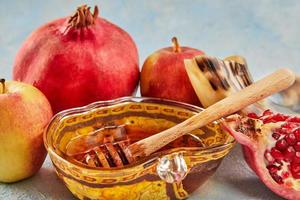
(271, 147)
(163, 74)
(78, 60)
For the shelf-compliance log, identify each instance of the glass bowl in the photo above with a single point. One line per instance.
(171, 173)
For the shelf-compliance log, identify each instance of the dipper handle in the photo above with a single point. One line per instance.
(273, 83)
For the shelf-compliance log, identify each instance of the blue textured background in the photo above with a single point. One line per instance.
(265, 32)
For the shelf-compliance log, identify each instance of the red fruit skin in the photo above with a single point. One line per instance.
(163, 75)
(254, 156)
(80, 66)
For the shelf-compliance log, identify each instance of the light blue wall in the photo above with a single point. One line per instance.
(266, 32)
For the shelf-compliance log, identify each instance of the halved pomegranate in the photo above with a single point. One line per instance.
(271, 147)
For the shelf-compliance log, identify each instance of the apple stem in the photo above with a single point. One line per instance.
(2, 81)
(176, 46)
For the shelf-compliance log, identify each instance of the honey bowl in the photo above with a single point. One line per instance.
(173, 172)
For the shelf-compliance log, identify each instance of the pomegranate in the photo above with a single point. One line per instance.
(78, 60)
(271, 147)
(163, 74)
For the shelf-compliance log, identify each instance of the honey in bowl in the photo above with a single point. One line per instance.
(106, 146)
(173, 172)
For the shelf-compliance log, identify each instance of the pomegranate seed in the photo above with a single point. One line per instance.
(289, 125)
(267, 112)
(272, 169)
(285, 175)
(297, 134)
(276, 154)
(277, 178)
(268, 120)
(289, 153)
(294, 119)
(276, 136)
(279, 117)
(296, 158)
(290, 138)
(297, 146)
(295, 169)
(269, 157)
(278, 164)
(281, 144)
(282, 131)
(253, 115)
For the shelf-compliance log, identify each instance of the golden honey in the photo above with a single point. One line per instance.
(202, 150)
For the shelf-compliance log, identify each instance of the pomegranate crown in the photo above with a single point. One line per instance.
(83, 17)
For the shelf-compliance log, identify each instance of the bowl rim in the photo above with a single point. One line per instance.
(142, 162)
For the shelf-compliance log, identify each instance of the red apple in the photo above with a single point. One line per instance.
(163, 74)
(24, 112)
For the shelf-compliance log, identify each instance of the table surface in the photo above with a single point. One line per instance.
(233, 180)
(254, 29)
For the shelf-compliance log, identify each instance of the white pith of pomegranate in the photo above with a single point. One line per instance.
(271, 147)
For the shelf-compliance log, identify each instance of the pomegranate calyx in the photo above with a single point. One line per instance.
(83, 17)
(2, 81)
(176, 46)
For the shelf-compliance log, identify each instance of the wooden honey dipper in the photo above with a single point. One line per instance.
(106, 144)
(119, 153)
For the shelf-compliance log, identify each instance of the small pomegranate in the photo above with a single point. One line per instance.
(78, 60)
(163, 74)
(271, 148)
